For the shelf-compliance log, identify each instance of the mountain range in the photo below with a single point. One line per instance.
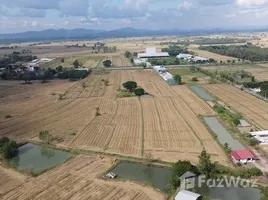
(83, 34)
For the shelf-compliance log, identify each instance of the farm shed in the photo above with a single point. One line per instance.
(151, 53)
(187, 195)
(184, 56)
(197, 58)
(244, 123)
(261, 136)
(243, 156)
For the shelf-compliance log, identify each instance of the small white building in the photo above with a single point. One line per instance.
(160, 69)
(198, 59)
(184, 56)
(151, 53)
(138, 61)
(187, 195)
(261, 136)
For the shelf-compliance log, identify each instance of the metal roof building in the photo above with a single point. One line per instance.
(187, 195)
(184, 56)
(151, 53)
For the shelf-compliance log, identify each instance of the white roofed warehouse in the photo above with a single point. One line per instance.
(151, 53)
(187, 195)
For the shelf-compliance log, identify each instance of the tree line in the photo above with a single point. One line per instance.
(245, 52)
(15, 57)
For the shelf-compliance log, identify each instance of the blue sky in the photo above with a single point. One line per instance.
(25, 15)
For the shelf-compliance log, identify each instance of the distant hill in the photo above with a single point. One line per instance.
(80, 34)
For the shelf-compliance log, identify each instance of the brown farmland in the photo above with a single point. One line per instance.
(165, 124)
(75, 180)
(251, 107)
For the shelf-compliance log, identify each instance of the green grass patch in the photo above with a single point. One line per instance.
(125, 94)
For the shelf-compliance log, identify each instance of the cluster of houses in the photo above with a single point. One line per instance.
(151, 53)
(191, 58)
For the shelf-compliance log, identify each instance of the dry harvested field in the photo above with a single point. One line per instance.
(251, 107)
(207, 54)
(165, 124)
(75, 180)
(260, 74)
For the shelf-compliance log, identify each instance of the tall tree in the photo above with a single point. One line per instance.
(130, 85)
(205, 165)
(177, 78)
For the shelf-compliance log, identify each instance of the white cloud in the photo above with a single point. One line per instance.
(250, 3)
(66, 23)
(185, 6)
(126, 21)
(35, 23)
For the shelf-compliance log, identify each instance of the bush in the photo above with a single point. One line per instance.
(194, 79)
(107, 63)
(9, 149)
(177, 78)
(139, 91)
(8, 116)
(253, 142)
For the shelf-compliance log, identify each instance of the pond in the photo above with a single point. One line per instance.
(222, 134)
(37, 159)
(230, 193)
(155, 176)
(201, 93)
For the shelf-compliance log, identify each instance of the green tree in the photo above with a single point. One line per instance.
(59, 68)
(139, 91)
(253, 79)
(3, 140)
(253, 142)
(177, 78)
(107, 63)
(205, 165)
(194, 79)
(178, 169)
(130, 85)
(128, 54)
(76, 63)
(62, 60)
(9, 149)
(45, 136)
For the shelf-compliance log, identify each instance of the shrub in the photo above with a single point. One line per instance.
(177, 78)
(139, 91)
(8, 116)
(9, 149)
(253, 142)
(194, 79)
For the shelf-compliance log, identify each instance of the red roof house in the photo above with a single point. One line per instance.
(243, 156)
